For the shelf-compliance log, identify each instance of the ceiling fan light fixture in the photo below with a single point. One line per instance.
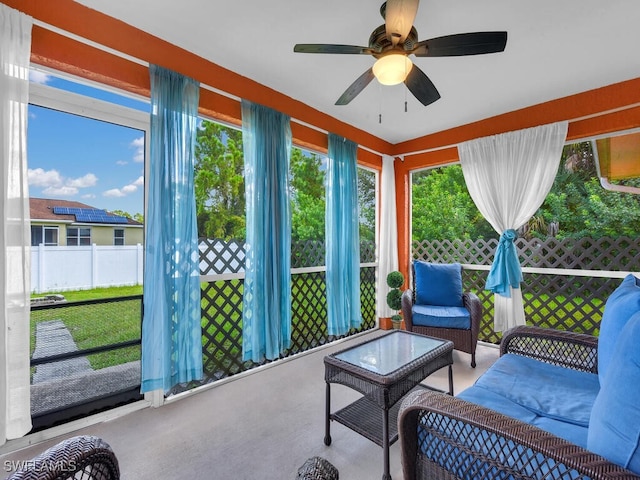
(392, 69)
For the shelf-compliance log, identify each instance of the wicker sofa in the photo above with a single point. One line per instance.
(82, 457)
(554, 405)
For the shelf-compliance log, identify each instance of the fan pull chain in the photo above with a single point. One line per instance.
(405, 89)
(379, 104)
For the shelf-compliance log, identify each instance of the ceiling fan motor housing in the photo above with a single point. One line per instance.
(381, 44)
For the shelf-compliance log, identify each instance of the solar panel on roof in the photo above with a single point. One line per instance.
(90, 215)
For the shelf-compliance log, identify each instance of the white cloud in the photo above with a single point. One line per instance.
(114, 193)
(122, 162)
(89, 180)
(57, 185)
(138, 144)
(63, 191)
(39, 77)
(40, 178)
(126, 190)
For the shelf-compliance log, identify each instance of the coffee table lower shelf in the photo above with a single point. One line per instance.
(365, 417)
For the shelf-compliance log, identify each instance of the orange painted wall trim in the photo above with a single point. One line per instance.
(56, 51)
(612, 122)
(403, 213)
(585, 104)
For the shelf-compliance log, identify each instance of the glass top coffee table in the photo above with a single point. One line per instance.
(384, 370)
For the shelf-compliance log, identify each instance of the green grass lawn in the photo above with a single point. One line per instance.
(106, 292)
(98, 324)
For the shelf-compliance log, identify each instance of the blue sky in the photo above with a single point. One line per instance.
(85, 160)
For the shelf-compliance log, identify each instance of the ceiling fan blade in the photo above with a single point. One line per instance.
(329, 48)
(356, 87)
(398, 19)
(421, 86)
(475, 43)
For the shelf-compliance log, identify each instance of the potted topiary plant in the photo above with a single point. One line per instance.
(395, 280)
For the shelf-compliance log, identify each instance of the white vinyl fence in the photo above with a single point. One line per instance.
(78, 268)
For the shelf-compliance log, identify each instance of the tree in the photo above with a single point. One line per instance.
(367, 204)
(121, 213)
(443, 209)
(577, 206)
(219, 182)
(307, 196)
(138, 217)
(580, 206)
(220, 189)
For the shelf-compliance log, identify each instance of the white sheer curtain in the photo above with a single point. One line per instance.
(508, 176)
(388, 247)
(15, 49)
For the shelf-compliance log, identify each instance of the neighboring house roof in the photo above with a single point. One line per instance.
(44, 209)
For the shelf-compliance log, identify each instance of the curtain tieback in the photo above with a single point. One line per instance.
(505, 271)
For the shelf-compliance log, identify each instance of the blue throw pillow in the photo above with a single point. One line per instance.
(620, 306)
(438, 284)
(614, 426)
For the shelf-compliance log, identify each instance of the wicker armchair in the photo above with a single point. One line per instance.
(464, 340)
(79, 458)
(444, 437)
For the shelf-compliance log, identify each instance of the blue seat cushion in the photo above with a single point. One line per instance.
(556, 399)
(438, 284)
(614, 430)
(620, 306)
(443, 317)
(571, 432)
(548, 390)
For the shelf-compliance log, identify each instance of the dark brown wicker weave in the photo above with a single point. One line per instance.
(79, 458)
(463, 340)
(317, 468)
(443, 437)
(374, 415)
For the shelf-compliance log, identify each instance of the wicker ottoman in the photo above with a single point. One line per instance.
(317, 468)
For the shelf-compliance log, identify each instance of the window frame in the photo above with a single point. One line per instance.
(43, 235)
(119, 240)
(76, 104)
(81, 232)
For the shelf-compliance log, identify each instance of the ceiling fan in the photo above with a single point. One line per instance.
(392, 43)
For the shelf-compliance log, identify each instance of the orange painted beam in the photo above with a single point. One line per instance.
(369, 159)
(57, 52)
(52, 50)
(590, 103)
(403, 215)
(611, 122)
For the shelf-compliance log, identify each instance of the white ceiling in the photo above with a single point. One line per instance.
(555, 48)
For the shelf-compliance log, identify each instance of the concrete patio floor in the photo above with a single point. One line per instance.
(261, 426)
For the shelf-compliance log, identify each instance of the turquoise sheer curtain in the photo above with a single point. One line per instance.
(505, 272)
(342, 237)
(266, 311)
(171, 333)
